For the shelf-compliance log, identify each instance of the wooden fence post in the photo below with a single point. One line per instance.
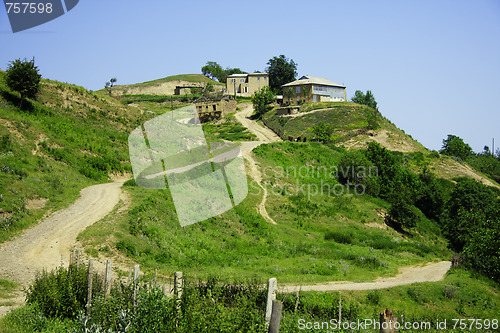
(136, 276)
(272, 286)
(340, 310)
(297, 301)
(178, 286)
(78, 257)
(107, 278)
(72, 257)
(388, 321)
(89, 284)
(274, 325)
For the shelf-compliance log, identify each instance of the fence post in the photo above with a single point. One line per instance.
(272, 286)
(388, 321)
(297, 301)
(89, 283)
(136, 276)
(72, 257)
(274, 325)
(78, 256)
(178, 286)
(107, 277)
(340, 310)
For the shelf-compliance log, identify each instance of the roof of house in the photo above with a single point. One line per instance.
(306, 79)
(245, 75)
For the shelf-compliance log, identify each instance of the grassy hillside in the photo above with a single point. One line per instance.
(320, 236)
(65, 140)
(353, 125)
(163, 86)
(349, 122)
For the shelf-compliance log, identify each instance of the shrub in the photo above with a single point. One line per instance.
(402, 215)
(62, 292)
(339, 237)
(127, 247)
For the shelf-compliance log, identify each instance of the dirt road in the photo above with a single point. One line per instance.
(47, 244)
(407, 275)
(264, 135)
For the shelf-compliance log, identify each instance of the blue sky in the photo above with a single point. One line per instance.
(433, 66)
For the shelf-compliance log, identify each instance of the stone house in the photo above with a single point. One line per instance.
(246, 84)
(313, 89)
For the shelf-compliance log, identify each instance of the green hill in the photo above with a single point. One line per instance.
(326, 228)
(65, 140)
(166, 85)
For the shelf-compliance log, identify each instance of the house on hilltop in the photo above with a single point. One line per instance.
(313, 89)
(246, 84)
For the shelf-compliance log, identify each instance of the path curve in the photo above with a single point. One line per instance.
(47, 244)
(431, 272)
(265, 135)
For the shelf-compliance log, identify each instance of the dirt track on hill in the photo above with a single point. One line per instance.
(432, 272)
(265, 135)
(47, 244)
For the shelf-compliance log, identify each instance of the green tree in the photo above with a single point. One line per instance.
(388, 169)
(455, 146)
(109, 85)
(262, 100)
(281, 70)
(215, 71)
(23, 76)
(402, 215)
(366, 99)
(322, 132)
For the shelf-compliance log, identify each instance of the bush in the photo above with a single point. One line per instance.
(339, 237)
(402, 215)
(62, 292)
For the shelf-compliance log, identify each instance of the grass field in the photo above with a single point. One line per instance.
(319, 236)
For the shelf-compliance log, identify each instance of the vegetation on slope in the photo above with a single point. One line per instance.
(320, 235)
(51, 148)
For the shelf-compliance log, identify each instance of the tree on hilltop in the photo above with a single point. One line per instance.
(281, 70)
(23, 77)
(366, 99)
(215, 71)
(455, 146)
(109, 85)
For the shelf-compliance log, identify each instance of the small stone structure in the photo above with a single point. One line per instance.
(186, 90)
(212, 108)
(286, 110)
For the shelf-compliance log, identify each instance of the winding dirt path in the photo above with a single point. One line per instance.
(431, 272)
(264, 135)
(47, 244)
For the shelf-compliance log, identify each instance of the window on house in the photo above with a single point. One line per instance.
(233, 80)
(242, 80)
(297, 90)
(258, 78)
(265, 78)
(245, 89)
